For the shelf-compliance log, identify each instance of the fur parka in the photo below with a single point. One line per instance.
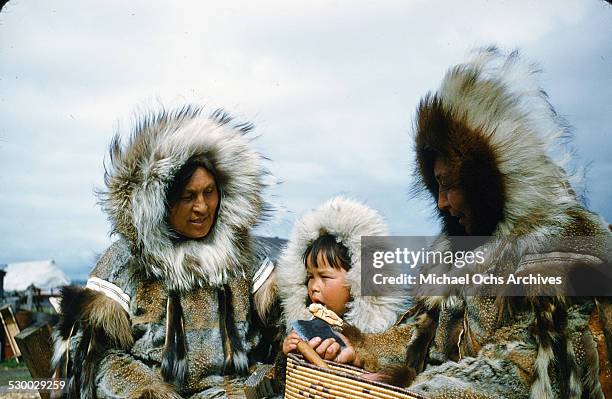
(368, 317)
(348, 220)
(494, 126)
(162, 316)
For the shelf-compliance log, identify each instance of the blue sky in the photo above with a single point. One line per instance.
(331, 87)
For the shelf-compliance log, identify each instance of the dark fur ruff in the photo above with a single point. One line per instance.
(439, 132)
(104, 325)
(174, 359)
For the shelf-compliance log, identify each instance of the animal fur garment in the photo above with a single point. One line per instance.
(190, 325)
(102, 324)
(137, 180)
(174, 362)
(499, 135)
(348, 220)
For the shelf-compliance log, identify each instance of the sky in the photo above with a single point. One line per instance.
(331, 87)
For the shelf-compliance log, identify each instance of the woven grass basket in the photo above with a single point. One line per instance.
(340, 381)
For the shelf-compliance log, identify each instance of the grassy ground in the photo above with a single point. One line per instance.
(10, 370)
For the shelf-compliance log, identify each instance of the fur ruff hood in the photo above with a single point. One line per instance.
(503, 140)
(494, 123)
(348, 220)
(495, 126)
(140, 173)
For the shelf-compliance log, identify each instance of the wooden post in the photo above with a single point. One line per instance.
(11, 329)
(35, 345)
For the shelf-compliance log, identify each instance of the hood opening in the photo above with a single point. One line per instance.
(441, 133)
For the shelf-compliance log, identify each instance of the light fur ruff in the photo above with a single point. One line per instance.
(348, 220)
(140, 173)
(266, 296)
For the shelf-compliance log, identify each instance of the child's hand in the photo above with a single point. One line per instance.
(290, 343)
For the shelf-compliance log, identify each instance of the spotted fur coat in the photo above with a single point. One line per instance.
(500, 135)
(163, 317)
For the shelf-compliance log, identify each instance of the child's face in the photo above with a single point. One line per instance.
(327, 285)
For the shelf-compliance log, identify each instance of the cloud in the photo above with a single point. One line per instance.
(331, 86)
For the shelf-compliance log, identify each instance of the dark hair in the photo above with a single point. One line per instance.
(334, 252)
(182, 177)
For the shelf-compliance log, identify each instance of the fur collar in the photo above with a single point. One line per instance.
(140, 173)
(348, 220)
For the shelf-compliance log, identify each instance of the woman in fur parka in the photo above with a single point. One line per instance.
(485, 146)
(168, 310)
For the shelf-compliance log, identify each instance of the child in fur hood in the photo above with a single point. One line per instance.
(322, 264)
(327, 263)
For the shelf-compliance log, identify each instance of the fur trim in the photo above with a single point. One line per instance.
(174, 357)
(348, 220)
(92, 309)
(159, 391)
(540, 388)
(140, 173)
(60, 348)
(496, 126)
(104, 324)
(424, 332)
(236, 359)
(106, 314)
(266, 296)
(604, 309)
(597, 377)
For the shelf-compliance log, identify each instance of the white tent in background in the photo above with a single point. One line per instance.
(43, 274)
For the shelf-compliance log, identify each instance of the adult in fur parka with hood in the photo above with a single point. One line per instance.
(485, 146)
(168, 314)
(347, 220)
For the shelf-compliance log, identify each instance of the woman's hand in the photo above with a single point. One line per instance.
(290, 343)
(329, 349)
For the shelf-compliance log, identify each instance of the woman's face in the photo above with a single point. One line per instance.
(193, 215)
(450, 195)
(327, 285)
